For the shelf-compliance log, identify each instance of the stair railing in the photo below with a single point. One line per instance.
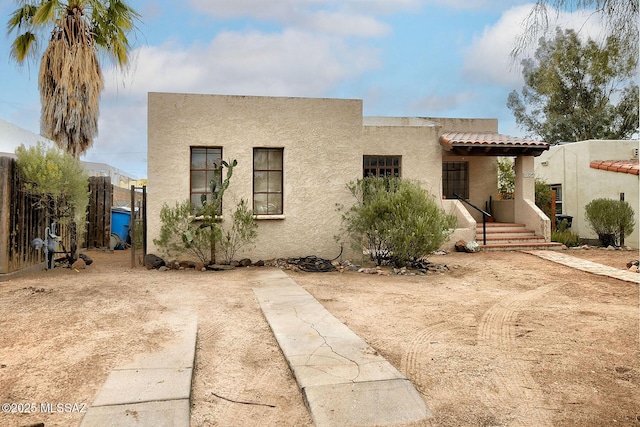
(485, 215)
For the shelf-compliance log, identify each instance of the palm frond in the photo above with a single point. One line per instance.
(21, 17)
(21, 47)
(46, 12)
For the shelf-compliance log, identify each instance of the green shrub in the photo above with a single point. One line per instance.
(610, 219)
(564, 235)
(395, 220)
(543, 195)
(180, 233)
(57, 181)
(183, 233)
(243, 231)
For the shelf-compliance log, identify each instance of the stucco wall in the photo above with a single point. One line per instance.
(323, 142)
(321, 153)
(483, 180)
(568, 165)
(419, 148)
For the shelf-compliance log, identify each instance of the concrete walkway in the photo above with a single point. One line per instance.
(588, 266)
(343, 380)
(154, 390)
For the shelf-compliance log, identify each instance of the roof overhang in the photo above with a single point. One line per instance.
(490, 144)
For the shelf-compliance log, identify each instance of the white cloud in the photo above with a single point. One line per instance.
(342, 18)
(342, 24)
(289, 63)
(488, 59)
(437, 104)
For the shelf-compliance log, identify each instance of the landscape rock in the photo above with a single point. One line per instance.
(153, 261)
(245, 262)
(79, 264)
(86, 258)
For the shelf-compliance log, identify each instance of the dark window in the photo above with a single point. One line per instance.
(381, 166)
(267, 181)
(203, 165)
(455, 179)
(558, 189)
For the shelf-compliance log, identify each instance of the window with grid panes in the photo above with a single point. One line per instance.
(558, 189)
(267, 181)
(381, 166)
(455, 179)
(203, 164)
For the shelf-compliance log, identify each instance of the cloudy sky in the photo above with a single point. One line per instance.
(438, 58)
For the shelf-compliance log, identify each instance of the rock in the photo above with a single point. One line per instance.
(245, 262)
(163, 268)
(219, 267)
(632, 263)
(259, 263)
(79, 264)
(153, 261)
(199, 266)
(87, 260)
(460, 246)
(187, 264)
(633, 269)
(234, 263)
(472, 247)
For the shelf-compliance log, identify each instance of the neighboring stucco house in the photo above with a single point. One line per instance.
(296, 156)
(583, 171)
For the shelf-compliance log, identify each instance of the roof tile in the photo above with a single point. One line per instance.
(623, 166)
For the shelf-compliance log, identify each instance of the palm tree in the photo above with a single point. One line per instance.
(70, 78)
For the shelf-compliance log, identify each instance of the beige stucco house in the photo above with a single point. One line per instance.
(583, 171)
(296, 155)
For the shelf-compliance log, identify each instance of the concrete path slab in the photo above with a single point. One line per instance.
(155, 388)
(344, 381)
(588, 266)
(174, 413)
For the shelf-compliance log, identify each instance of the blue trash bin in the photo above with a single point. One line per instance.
(120, 219)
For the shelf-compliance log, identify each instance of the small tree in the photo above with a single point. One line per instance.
(610, 219)
(58, 183)
(395, 220)
(506, 178)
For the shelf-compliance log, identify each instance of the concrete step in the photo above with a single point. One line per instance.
(511, 237)
(522, 246)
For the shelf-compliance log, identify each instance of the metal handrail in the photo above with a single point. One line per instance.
(485, 215)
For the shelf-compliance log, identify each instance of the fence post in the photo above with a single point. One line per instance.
(132, 226)
(6, 172)
(621, 227)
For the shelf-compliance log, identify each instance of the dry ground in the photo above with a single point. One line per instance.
(503, 339)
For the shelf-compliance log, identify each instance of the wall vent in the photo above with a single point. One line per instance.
(634, 154)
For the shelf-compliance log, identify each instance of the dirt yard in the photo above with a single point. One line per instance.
(503, 339)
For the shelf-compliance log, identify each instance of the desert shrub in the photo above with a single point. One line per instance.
(180, 233)
(564, 235)
(609, 219)
(183, 233)
(395, 220)
(243, 231)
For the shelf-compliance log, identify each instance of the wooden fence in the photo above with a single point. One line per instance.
(98, 225)
(21, 220)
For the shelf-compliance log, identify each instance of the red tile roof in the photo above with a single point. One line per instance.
(477, 143)
(624, 166)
